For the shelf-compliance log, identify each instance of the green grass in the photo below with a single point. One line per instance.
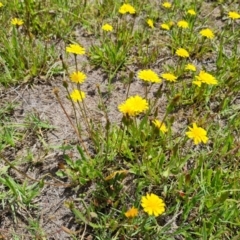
(122, 162)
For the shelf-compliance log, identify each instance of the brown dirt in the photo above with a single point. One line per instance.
(38, 98)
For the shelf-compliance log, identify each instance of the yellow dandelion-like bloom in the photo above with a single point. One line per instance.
(181, 52)
(17, 22)
(205, 77)
(152, 204)
(165, 26)
(190, 67)
(1, 5)
(76, 49)
(183, 24)
(160, 125)
(198, 134)
(107, 27)
(208, 33)
(233, 15)
(167, 4)
(77, 95)
(133, 106)
(191, 12)
(127, 8)
(150, 23)
(169, 77)
(149, 76)
(78, 77)
(131, 213)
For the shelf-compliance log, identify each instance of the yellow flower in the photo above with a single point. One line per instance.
(169, 77)
(17, 21)
(1, 4)
(77, 95)
(160, 125)
(183, 24)
(127, 8)
(167, 4)
(131, 213)
(78, 77)
(76, 49)
(107, 27)
(198, 134)
(165, 26)
(152, 204)
(149, 76)
(181, 52)
(205, 77)
(133, 106)
(233, 15)
(150, 23)
(208, 33)
(191, 12)
(190, 67)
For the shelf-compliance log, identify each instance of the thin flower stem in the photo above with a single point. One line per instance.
(70, 121)
(131, 75)
(101, 101)
(121, 140)
(75, 60)
(73, 106)
(84, 112)
(107, 138)
(146, 90)
(128, 88)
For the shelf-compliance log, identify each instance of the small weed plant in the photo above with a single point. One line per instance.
(160, 170)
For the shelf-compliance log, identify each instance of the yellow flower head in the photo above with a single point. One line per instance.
(150, 23)
(107, 27)
(167, 4)
(181, 52)
(160, 125)
(233, 15)
(131, 213)
(133, 106)
(17, 22)
(208, 33)
(78, 77)
(153, 205)
(190, 67)
(77, 95)
(205, 77)
(165, 26)
(191, 12)
(169, 77)
(127, 8)
(183, 24)
(198, 134)
(76, 49)
(149, 76)
(1, 4)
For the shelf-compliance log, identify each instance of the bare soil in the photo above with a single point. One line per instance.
(55, 218)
